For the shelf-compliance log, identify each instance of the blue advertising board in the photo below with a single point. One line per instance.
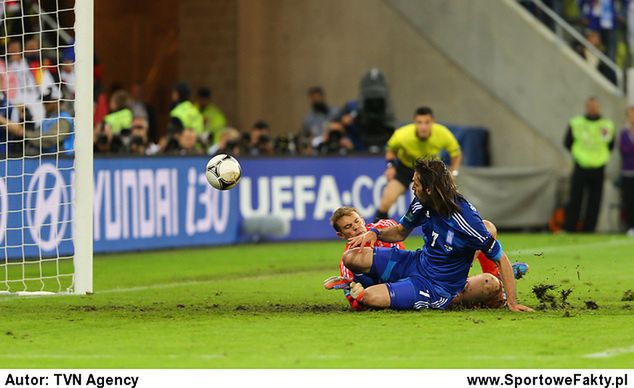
(35, 208)
(165, 202)
(305, 191)
(151, 203)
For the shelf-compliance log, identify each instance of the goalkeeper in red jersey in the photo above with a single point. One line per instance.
(348, 223)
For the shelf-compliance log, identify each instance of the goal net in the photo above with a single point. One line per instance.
(46, 184)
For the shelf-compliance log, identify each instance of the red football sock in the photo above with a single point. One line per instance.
(488, 266)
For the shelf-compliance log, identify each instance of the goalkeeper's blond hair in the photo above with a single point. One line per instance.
(340, 212)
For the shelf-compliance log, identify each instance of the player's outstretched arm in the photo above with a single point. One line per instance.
(390, 234)
(508, 281)
(394, 233)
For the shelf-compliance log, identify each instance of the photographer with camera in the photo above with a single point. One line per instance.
(101, 143)
(139, 143)
(180, 140)
(259, 140)
(317, 118)
(334, 140)
(169, 143)
(229, 142)
(112, 135)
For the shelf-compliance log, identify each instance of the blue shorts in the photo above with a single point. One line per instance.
(393, 264)
(415, 293)
(407, 287)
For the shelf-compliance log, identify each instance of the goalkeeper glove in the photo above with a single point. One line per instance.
(357, 291)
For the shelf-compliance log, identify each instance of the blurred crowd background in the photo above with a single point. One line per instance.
(154, 92)
(36, 68)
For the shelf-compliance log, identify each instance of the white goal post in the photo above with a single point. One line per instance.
(46, 147)
(83, 185)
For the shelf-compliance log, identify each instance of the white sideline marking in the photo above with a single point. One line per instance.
(56, 356)
(610, 353)
(197, 282)
(604, 354)
(511, 357)
(102, 356)
(209, 356)
(155, 286)
(20, 295)
(563, 248)
(326, 356)
(12, 296)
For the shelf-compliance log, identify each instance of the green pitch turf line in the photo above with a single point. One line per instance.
(202, 282)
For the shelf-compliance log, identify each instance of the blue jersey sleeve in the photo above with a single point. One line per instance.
(475, 234)
(415, 215)
(492, 249)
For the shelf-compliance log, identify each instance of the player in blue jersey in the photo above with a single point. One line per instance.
(435, 276)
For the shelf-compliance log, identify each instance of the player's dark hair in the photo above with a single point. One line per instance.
(340, 212)
(443, 193)
(424, 111)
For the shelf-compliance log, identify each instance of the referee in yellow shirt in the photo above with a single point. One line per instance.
(423, 138)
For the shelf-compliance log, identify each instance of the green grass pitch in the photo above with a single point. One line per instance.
(263, 306)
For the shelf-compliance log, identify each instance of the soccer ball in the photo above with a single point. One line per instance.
(223, 172)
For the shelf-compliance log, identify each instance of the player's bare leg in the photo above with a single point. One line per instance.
(376, 296)
(392, 191)
(481, 289)
(358, 259)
